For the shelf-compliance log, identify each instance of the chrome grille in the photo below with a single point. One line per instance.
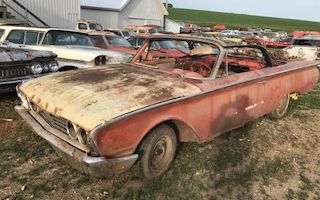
(55, 122)
(7, 72)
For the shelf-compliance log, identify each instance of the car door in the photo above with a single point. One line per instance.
(242, 99)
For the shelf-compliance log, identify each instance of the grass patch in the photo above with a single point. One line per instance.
(306, 183)
(279, 168)
(39, 188)
(310, 100)
(209, 18)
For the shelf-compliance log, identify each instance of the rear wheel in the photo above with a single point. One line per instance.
(158, 151)
(281, 110)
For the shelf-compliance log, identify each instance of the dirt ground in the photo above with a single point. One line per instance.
(266, 159)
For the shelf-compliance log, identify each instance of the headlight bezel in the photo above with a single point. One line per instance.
(53, 66)
(77, 133)
(37, 66)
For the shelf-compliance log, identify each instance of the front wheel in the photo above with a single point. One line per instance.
(281, 110)
(158, 151)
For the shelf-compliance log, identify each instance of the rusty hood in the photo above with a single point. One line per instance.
(88, 97)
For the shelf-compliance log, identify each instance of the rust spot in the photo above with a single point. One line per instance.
(47, 105)
(39, 101)
(32, 97)
(56, 110)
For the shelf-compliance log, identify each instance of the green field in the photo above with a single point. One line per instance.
(208, 18)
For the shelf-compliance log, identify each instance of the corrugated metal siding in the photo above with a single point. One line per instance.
(145, 12)
(108, 19)
(137, 12)
(56, 13)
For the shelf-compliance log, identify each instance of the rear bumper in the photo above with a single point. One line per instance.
(98, 167)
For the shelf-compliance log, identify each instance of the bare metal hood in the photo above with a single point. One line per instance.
(90, 96)
(14, 55)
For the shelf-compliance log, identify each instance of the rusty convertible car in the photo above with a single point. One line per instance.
(103, 120)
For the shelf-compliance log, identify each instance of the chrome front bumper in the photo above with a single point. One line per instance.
(98, 167)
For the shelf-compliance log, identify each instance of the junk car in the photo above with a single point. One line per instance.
(112, 42)
(104, 120)
(18, 65)
(306, 47)
(74, 49)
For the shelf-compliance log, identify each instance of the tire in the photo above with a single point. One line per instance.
(282, 109)
(158, 151)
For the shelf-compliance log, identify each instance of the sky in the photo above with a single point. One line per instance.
(292, 9)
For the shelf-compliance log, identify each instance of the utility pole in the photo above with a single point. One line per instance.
(167, 3)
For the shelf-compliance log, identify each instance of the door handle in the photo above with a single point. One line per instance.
(262, 82)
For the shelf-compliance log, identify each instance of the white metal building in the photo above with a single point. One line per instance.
(116, 13)
(109, 13)
(55, 13)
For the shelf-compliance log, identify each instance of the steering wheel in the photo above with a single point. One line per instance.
(201, 68)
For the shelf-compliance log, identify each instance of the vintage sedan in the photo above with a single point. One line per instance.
(113, 42)
(74, 49)
(104, 120)
(18, 65)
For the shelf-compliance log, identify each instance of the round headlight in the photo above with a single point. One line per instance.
(53, 66)
(72, 130)
(36, 68)
(82, 137)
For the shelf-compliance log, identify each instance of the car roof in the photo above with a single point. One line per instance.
(45, 29)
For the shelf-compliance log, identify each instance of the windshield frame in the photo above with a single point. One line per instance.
(149, 41)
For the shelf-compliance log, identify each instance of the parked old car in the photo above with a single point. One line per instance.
(120, 32)
(88, 26)
(164, 100)
(18, 65)
(306, 47)
(111, 42)
(74, 49)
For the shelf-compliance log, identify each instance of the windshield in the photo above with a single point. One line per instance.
(117, 41)
(126, 33)
(96, 27)
(63, 38)
(97, 40)
(165, 44)
(153, 31)
(305, 42)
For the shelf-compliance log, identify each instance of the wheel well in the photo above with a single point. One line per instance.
(67, 68)
(183, 132)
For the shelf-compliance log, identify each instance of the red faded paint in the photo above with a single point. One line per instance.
(226, 103)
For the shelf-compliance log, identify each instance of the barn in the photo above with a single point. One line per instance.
(116, 13)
